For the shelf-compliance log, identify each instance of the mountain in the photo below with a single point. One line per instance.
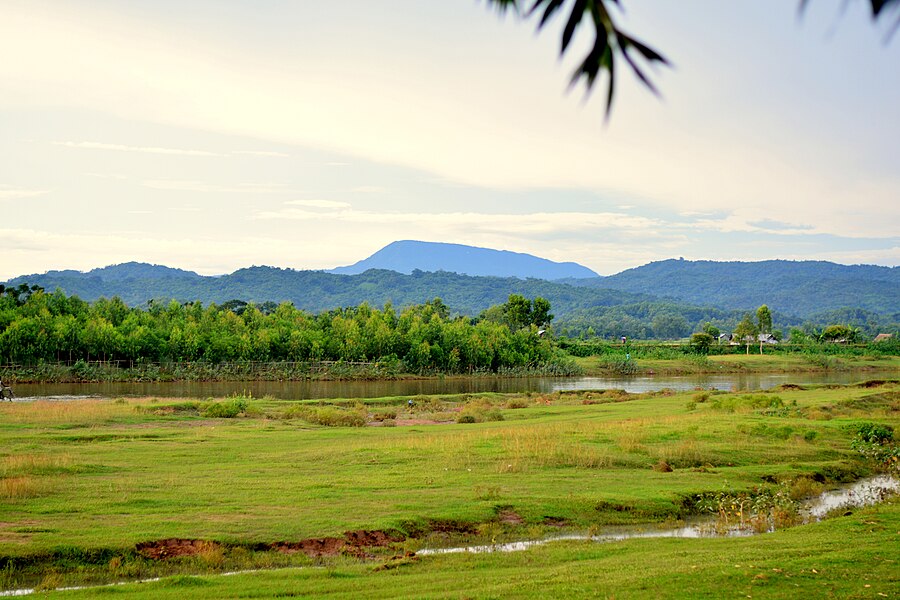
(802, 288)
(318, 291)
(407, 256)
(628, 303)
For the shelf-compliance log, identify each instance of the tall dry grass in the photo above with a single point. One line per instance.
(20, 487)
(551, 446)
(76, 412)
(33, 464)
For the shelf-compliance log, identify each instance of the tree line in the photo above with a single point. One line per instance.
(36, 326)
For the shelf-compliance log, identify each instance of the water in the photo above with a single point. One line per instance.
(299, 390)
(865, 492)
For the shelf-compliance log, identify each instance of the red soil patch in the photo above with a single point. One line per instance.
(353, 542)
(510, 517)
(173, 547)
(311, 547)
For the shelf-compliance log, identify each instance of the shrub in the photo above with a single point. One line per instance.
(225, 410)
(384, 415)
(875, 442)
(701, 397)
(874, 433)
(329, 416)
(662, 467)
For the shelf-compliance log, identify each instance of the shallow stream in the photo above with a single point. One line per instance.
(865, 492)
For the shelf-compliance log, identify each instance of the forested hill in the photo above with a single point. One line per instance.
(802, 288)
(318, 291)
(819, 293)
(407, 256)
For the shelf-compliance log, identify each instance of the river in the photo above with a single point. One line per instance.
(300, 390)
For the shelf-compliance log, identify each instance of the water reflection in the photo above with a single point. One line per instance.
(299, 390)
(862, 493)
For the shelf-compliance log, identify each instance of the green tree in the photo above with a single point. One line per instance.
(540, 314)
(712, 330)
(518, 311)
(670, 326)
(763, 323)
(701, 342)
(840, 333)
(746, 331)
(611, 44)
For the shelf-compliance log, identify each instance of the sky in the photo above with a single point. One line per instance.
(214, 135)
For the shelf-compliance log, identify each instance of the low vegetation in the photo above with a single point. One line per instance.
(123, 489)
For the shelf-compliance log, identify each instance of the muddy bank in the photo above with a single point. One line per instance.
(353, 543)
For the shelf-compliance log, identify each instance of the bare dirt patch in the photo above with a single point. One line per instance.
(174, 547)
(555, 522)
(510, 517)
(353, 542)
(784, 387)
(328, 546)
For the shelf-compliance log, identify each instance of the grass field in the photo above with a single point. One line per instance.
(89, 489)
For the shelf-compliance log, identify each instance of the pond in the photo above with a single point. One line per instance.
(300, 390)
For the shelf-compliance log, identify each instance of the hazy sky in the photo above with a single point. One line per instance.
(212, 135)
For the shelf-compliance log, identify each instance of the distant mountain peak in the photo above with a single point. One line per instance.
(406, 256)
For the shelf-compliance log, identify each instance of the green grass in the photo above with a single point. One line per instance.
(813, 561)
(85, 481)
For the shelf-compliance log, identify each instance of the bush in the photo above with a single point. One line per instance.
(875, 442)
(479, 411)
(875, 433)
(384, 415)
(329, 416)
(225, 410)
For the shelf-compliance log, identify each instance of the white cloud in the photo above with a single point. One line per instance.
(118, 176)
(318, 203)
(885, 256)
(265, 153)
(13, 193)
(508, 223)
(201, 186)
(27, 251)
(741, 221)
(144, 149)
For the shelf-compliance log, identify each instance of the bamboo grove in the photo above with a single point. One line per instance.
(53, 327)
